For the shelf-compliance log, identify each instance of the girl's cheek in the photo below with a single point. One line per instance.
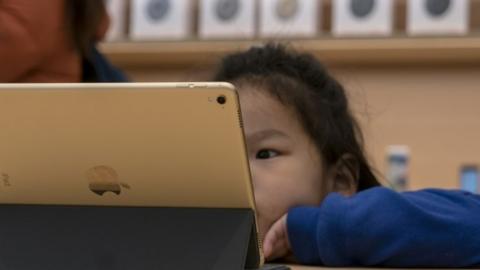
(263, 214)
(262, 228)
(267, 214)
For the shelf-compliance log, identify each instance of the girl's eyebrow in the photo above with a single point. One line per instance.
(265, 134)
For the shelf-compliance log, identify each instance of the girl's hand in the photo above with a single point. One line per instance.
(276, 244)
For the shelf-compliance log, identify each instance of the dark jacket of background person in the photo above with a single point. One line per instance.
(46, 41)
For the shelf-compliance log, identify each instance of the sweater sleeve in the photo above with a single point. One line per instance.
(380, 227)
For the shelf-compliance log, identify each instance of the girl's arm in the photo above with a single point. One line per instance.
(379, 227)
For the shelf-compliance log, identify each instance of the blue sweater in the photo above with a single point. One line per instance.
(380, 227)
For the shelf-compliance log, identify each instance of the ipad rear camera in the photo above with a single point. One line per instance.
(221, 100)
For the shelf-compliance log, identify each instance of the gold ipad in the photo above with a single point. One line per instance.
(138, 144)
(133, 144)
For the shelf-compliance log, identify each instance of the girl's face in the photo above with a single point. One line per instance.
(285, 164)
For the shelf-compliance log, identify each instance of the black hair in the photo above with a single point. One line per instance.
(83, 18)
(301, 82)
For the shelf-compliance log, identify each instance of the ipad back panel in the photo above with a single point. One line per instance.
(167, 145)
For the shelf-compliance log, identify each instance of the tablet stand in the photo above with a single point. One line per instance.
(85, 237)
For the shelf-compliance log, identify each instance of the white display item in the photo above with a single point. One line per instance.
(398, 157)
(116, 9)
(362, 17)
(231, 19)
(289, 18)
(161, 19)
(438, 17)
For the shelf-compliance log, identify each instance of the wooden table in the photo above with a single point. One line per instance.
(298, 267)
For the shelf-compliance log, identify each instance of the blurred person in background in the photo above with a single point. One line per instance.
(53, 41)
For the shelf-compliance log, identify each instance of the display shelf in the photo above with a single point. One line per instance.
(332, 51)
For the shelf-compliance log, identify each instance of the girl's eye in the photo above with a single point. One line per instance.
(266, 154)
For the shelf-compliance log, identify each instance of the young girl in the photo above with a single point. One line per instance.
(317, 198)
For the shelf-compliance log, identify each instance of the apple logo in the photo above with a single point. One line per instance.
(227, 10)
(437, 8)
(104, 179)
(287, 9)
(157, 9)
(362, 8)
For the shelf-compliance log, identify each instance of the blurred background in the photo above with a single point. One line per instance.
(411, 67)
